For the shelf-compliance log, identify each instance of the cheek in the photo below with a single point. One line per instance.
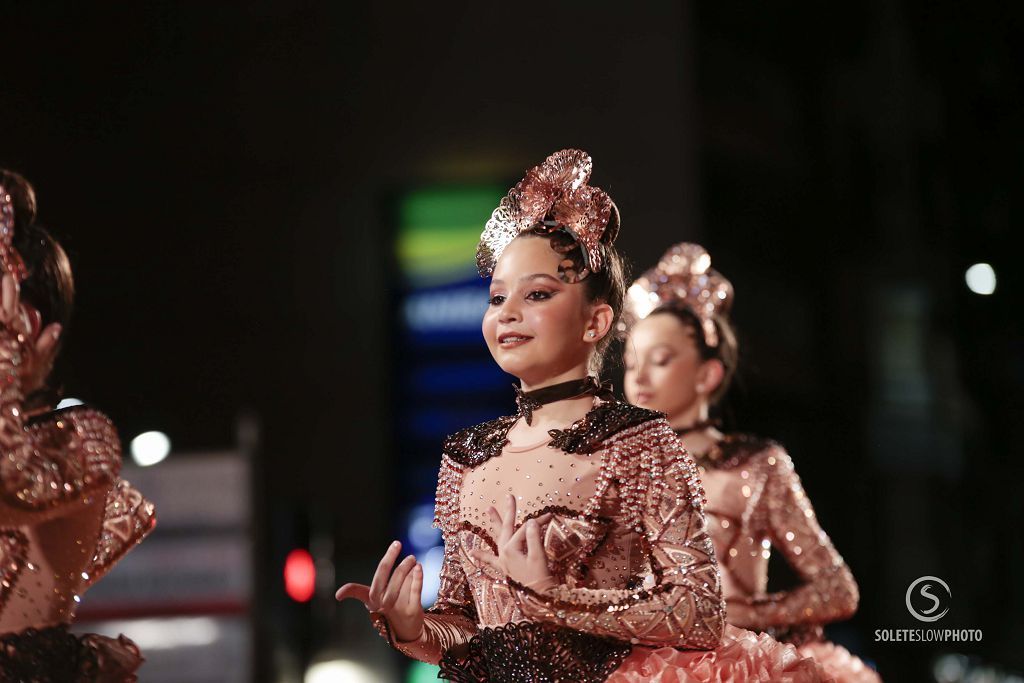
(551, 322)
(489, 325)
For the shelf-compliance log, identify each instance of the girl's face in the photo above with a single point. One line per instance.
(536, 326)
(663, 366)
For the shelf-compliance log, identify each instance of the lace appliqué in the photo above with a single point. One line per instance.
(608, 418)
(475, 445)
(733, 450)
(530, 651)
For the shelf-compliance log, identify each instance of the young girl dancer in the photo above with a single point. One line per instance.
(575, 541)
(680, 354)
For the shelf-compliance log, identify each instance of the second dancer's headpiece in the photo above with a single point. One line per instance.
(10, 260)
(683, 278)
(553, 199)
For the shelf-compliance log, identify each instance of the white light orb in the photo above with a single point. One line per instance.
(149, 448)
(981, 279)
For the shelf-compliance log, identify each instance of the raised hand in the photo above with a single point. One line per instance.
(521, 554)
(395, 595)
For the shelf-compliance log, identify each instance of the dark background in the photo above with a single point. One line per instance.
(218, 172)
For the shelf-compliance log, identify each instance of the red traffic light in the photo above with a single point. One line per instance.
(299, 575)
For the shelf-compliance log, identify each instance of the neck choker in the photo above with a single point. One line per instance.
(528, 401)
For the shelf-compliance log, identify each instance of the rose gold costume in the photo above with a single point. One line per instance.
(756, 500)
(65, 520)
(758, 503)
(638, 594)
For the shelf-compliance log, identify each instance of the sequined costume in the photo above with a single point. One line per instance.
(756, 503)
(638, 593)
(756, 499)
(65, 520)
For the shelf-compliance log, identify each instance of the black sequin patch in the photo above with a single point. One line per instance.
(535, 652)
(49, 655)
(475, 445)
(733, 451)
(605, 420)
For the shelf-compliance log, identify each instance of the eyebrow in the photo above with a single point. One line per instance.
(535, 276)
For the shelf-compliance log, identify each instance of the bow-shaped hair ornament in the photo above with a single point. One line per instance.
(683, 278)
(554, 199)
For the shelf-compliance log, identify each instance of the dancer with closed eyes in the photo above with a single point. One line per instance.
(680, 354)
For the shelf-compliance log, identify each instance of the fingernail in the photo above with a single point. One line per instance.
(394, 544)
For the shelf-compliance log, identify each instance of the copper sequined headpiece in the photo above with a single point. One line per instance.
(10, 259)
(554, 199)
(683, 277)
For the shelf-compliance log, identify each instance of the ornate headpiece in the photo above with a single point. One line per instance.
(10, 259)
(683, 277)
(554, 199)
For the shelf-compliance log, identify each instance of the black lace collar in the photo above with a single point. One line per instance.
(475, 445)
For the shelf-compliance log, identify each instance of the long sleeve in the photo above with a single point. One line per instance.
(661, 500)
(451, 621)
(829, 591)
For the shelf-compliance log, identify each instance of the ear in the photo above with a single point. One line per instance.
(709, 376)
(599, 322)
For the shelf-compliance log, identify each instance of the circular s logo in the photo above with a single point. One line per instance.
(930, 607)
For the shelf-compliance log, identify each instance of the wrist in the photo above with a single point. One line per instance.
(407, 637)
(542, 585)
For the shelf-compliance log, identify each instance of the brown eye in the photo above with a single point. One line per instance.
(538, 295)
(496, 300)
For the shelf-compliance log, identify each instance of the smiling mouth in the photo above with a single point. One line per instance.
(509, 340)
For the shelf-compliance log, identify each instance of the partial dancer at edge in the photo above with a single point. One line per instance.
(65, 516)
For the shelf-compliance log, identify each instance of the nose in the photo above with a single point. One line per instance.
(640, 372)
(509, 312)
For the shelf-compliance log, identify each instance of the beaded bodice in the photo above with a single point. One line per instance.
(626, 537)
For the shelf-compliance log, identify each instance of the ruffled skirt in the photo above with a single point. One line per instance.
(839, 663)
(743, 656)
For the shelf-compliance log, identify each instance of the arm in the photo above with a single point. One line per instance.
(829, 592)
(662, 501)
(452, 619)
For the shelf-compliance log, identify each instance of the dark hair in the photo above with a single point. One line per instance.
(607, 285)
(727, 352)
(49, 287)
